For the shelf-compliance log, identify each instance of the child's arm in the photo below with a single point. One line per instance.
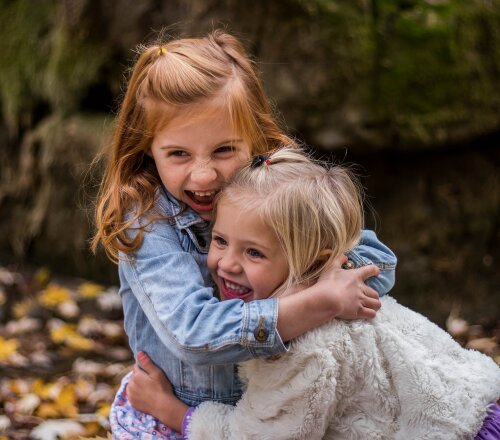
(283, 400)
(346, 296)
(372, 251)
(166, 283)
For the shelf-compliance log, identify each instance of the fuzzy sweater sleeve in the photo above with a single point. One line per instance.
(288, 398)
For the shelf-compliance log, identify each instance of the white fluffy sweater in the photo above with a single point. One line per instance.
(398, 376)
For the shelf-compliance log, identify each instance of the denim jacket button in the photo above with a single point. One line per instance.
(349, 264)
(261, 334)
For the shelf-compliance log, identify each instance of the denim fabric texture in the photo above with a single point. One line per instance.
(172, 312)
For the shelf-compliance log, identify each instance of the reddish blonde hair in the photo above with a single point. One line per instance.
(166, 78)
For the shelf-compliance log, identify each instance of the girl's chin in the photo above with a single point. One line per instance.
(205, 212)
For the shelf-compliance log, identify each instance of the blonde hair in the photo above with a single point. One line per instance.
(314, 211)
(168, 77)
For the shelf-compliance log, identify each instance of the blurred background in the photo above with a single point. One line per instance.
(407, 89)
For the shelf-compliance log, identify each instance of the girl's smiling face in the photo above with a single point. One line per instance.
(245, 257)
(197, 153)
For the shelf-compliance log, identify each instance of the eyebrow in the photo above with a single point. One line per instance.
(226, 142)
(247, 243)
(253, 243)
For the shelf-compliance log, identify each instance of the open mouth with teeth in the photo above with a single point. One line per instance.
(232, 290)
(201, 201)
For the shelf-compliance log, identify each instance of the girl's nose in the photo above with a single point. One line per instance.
(229, 264)
(204, 175)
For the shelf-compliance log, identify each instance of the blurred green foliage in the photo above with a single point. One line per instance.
(416, 69)
(419, 68)
(47, 57)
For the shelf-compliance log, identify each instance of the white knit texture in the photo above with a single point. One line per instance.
(397, 377)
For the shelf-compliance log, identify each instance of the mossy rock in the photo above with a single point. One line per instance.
(47, 194)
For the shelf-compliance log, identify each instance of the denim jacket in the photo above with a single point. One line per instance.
(171, 312)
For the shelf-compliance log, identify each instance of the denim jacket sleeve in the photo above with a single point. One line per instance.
(371, 251)
(198, 328)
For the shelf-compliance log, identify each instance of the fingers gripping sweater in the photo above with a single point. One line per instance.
(398, 376)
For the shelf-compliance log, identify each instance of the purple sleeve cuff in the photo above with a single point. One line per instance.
(186, 421)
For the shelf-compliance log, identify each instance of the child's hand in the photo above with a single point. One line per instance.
(150, 391)
(353, 298)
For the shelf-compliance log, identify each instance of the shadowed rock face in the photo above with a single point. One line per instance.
(399, 85)
(46, 194)
(440, 212)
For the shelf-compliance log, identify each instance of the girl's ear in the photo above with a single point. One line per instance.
(148, 153)
(319, 263)
(324, 255)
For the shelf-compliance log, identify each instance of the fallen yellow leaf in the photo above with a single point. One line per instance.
(42, 276)
(48, 410)
(92, 428)
(54, 295)
(22, 308)
(60, 333)
(80, 343)
(67, 334)
(41, 389)
(90, 290)
(103, 409)
(66, 401)
(8, 347)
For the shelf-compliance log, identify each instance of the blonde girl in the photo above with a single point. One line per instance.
(194, 111)
(278, 226)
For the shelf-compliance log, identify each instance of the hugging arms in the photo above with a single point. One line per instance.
(396, 376)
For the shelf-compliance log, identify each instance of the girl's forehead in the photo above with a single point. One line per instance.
(162, 113)
(215, 110)
(240, 203)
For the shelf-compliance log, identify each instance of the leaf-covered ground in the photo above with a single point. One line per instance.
(63, 353)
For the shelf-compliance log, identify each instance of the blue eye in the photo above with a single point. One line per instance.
(219, 240)
(254, 253)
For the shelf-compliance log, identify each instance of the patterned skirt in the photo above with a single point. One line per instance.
(128, 423)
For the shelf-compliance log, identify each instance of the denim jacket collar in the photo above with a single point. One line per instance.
(187, 221)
